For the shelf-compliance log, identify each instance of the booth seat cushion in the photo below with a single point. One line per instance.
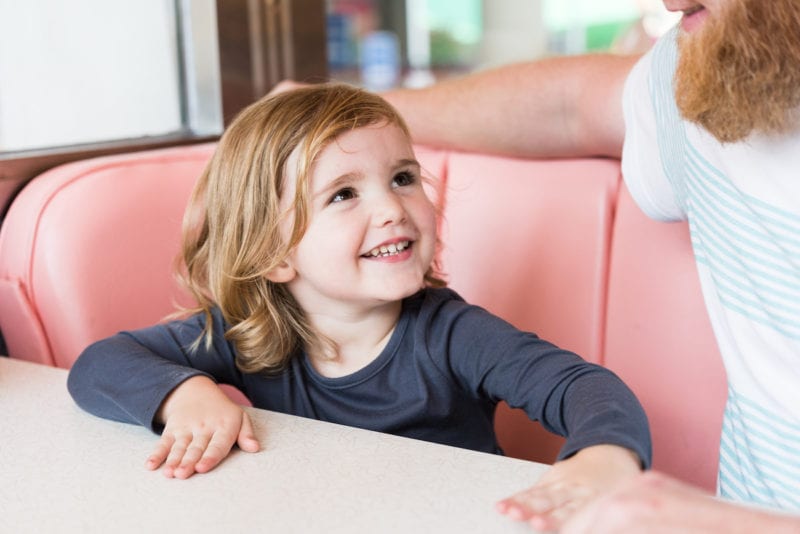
(87, 249)
(659, 340)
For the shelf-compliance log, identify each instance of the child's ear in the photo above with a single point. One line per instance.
(282, 273)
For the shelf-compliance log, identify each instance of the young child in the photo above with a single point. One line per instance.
(309, 245)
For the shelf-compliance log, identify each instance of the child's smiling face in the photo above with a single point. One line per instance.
(371, 233)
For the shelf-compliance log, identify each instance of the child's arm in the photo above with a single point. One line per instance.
(151, 377)
(570, 484)
(127, 377)
(608, 437)
(201, 424)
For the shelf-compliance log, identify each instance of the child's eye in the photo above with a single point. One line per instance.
(403, 178)
(343, 194)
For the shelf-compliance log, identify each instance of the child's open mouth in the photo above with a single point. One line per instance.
(387, 250)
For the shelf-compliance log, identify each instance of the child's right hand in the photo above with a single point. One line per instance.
(570, 485)
(201, 425)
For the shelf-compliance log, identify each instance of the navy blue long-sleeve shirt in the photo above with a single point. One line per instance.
(439, 378)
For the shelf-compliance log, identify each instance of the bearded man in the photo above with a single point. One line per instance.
(708, 132)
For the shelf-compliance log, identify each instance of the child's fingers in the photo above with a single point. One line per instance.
(247, 438)
(525, 510)
(160, 453)
(193, 445)
(217, 449)
(194, 452)
(220, 445)
(176, 452)
(555, 518)
(514, 509)
(525, 504)
(546, 501)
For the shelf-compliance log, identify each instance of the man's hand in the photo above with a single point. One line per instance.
(654, 502)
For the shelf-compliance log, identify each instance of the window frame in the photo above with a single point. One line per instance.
(258, 43)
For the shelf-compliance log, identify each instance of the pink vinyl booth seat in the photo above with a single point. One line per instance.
(86, 249)
(556, 247)
(659, 341)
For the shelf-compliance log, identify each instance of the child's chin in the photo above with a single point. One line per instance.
(400, 292)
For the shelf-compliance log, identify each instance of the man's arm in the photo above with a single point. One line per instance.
(652, 502)
(559, 107)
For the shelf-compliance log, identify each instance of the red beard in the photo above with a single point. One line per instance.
(740, 73)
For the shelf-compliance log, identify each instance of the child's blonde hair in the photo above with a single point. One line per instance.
(231, 233)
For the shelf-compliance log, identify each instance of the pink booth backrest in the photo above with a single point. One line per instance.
(660, 342)
(87, 248)
(554, 247)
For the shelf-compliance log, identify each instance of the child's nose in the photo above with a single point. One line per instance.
(388, 210)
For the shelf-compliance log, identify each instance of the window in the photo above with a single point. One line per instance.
(92, 77)
(416, 42)
(97, 71)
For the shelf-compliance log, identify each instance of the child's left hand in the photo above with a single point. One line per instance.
(570, 484)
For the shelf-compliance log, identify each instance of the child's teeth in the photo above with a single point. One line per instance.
(386, 250)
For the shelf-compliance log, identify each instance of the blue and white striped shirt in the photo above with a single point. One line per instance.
(742, 201)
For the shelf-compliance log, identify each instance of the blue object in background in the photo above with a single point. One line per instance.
(341, 42)
(380, 60)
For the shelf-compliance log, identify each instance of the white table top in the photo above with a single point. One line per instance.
(63, 470)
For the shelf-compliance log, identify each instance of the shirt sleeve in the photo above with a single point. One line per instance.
(126, 377)
(586, 403)
(653, 154)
